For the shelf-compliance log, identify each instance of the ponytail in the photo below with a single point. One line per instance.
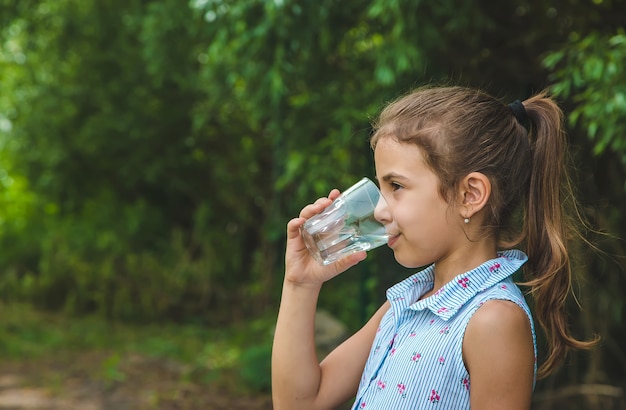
(548, 230)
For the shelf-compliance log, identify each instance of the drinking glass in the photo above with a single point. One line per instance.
(347, 225)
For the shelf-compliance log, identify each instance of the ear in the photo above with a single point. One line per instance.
(475, 190)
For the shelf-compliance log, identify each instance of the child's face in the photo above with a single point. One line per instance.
(424, 228)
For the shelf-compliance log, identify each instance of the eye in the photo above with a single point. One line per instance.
(395, 186)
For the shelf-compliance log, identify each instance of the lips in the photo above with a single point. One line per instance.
(392, 240)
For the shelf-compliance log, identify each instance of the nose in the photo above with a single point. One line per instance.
(381, 212)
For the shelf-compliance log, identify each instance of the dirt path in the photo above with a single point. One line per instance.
(87, 382)
(16, 394)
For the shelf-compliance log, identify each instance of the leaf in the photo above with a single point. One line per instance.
(552, 59)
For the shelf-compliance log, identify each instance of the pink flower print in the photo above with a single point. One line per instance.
(442, 310)
(445, 330)
(434, 396)
(503, 287)
(439, 291)
(393, 351)
(412, 334)
(494, 267)
(362, 405)
(466, 383)
(381, 385)
(416, 357)
(441, 360)
(402, 390)
(464, 282)
(431, 321)
(393, 339)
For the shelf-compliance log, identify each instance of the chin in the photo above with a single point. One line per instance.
(410, 263)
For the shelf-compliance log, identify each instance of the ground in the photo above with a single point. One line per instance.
(99, 381)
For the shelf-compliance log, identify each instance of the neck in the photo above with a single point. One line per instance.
(461, 261)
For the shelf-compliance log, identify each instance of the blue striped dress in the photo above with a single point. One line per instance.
(416, 359)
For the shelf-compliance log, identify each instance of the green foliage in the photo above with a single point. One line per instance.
(588, 71)
(255, 367)
(202, 355)
(151, 152)
(111, 372)
(98, 111)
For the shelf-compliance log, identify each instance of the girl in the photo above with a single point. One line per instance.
(459, 171)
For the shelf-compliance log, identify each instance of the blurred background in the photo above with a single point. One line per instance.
(152, 152)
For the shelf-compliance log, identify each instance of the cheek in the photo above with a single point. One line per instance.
(414, 224)
(425, 222)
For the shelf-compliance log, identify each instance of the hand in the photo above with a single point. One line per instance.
(300, 267)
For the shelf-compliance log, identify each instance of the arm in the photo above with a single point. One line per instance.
(343, 367)
(499, 356)
(298, 380)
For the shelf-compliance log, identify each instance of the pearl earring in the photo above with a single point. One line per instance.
(466, 220)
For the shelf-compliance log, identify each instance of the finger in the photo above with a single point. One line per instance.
(334, 194)
(349, 261)
(315, 208)
(322, 201)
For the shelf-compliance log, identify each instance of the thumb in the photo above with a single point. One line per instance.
(293, 227)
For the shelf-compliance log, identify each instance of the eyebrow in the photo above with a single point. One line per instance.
(392, 175)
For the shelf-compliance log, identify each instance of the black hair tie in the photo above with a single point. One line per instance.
(519, 111)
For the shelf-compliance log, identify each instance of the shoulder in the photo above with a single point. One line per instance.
(500, 313)
(500, 324)
(499, 354)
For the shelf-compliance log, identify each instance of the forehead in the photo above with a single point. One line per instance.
(392, 155)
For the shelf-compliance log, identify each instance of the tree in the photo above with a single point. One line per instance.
(158, 148)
